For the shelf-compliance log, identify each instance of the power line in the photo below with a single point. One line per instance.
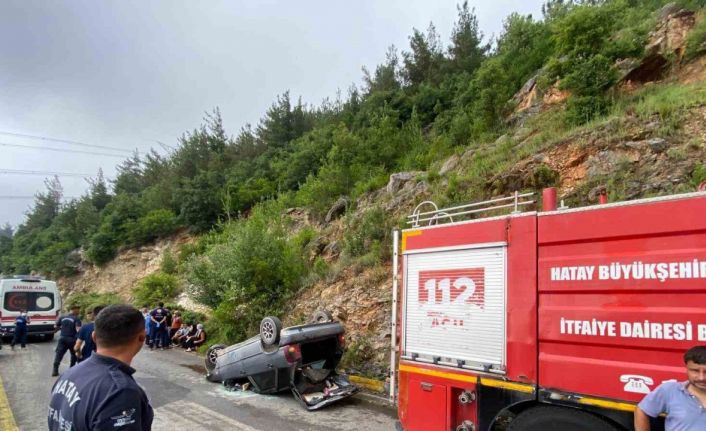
(30, 197)
(60, 150)
(65, 141)
(43, 173)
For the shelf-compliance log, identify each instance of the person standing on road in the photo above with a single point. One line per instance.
(20, 336)
(100, 393)
(167, 328)
(85, 346)
(158, 318)
(68, 326)
(683, 402)
(148, 324)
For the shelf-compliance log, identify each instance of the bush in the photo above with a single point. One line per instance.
(250, 269)
(103, 247)
(186, 251)
(168, 265)
(698, 175)
(88, 301)
(581, 110)
(187, 316)
(153, 225)
(591, 77)
(362, 232)
(696, 41)
(156, 287)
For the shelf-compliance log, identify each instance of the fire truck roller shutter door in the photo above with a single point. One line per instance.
(454, 307)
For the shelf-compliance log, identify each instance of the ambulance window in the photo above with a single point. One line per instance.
(30, 301)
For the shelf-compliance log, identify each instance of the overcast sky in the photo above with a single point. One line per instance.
(127, 74)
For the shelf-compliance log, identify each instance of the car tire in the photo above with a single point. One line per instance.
(322, 316)
(550, 418)
(48, 337)
(270, 327)
(212, 355)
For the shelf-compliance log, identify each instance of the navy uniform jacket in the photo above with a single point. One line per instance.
(99, 394)
(21, 322)
(85, 335)
(68, 325)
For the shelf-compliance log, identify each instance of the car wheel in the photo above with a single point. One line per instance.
(270, 328)
(322, 316)
(212, 355)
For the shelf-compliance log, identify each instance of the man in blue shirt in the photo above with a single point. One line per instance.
(68, 326)
(20, 336)
(684, 403)
(148, 323)
(100, 393)
(84, 344)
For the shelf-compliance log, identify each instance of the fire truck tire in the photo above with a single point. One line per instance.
(558, 419)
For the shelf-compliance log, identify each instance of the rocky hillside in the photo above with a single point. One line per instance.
(653, 145)
(122, 274)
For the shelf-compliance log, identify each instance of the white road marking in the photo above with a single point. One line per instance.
(188, 415)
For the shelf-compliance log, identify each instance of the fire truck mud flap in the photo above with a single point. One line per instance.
(318, 388)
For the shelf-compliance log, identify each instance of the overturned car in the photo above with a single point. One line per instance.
(301, 358)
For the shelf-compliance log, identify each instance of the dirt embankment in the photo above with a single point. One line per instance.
(120, 275)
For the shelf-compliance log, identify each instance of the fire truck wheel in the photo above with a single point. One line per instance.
(558, 419)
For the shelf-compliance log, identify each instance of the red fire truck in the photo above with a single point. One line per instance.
(559, 320)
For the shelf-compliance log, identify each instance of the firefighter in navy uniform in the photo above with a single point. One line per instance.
(100, 392)
(68, 326)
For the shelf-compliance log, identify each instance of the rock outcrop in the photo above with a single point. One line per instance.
(120, 275)
(667, 41)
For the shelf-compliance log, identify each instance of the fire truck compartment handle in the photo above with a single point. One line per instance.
(427, 386)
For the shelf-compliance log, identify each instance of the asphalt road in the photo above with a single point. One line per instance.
(182, 398)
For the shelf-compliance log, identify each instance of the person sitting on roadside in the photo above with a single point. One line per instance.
(182, 332)
(176, 324)
(192, 342)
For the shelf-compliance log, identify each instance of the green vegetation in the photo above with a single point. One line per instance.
(156, 287)
(696, 41)
(247, 271)
(88, 301)
(412, 111)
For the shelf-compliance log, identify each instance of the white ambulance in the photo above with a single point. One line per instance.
(40, 298)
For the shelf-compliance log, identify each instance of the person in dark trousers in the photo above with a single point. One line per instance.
(191, 343)
(68, 326)
(20, 336)
(158, 318)
(100, 393)
(167, 327)
(85, 346)
(148, 324)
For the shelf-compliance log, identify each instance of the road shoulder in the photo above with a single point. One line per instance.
(7, 419)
